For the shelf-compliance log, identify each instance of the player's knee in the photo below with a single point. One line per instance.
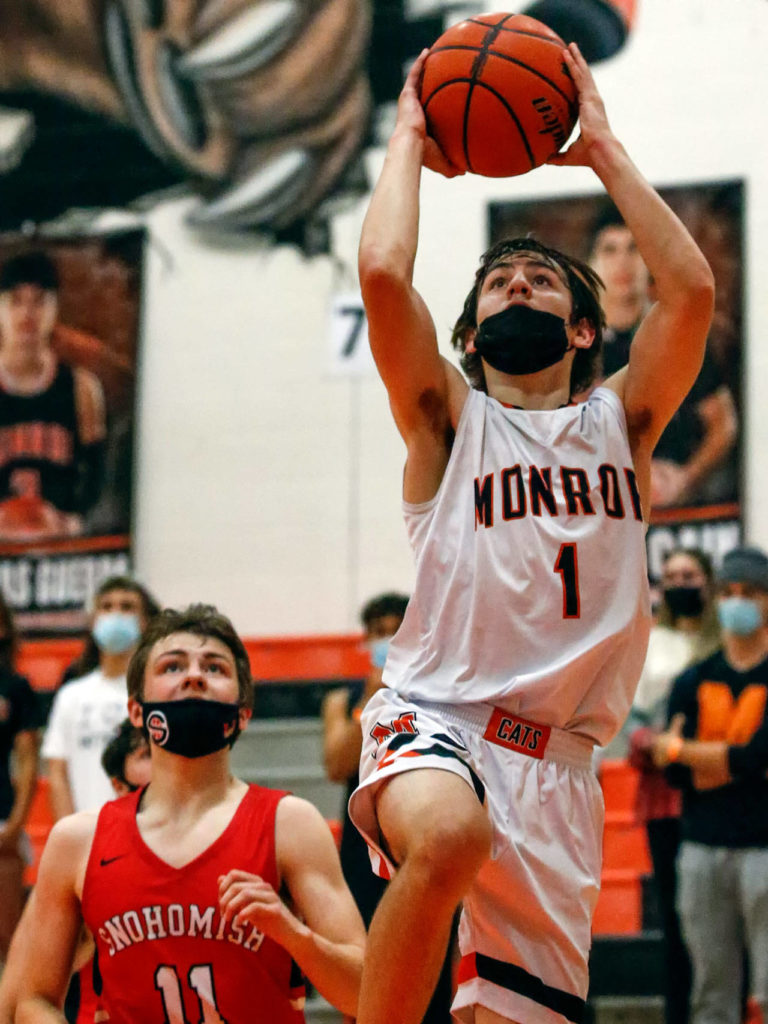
(451, 849)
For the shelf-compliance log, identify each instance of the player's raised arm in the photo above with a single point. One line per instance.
(401, 330)
(52, 930)
(668, 348)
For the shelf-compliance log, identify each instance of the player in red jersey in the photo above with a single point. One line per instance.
(204, 894)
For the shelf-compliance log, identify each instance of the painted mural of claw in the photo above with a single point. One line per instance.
(247, 42)
(263, 197)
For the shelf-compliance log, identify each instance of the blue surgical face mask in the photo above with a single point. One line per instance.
(739, 615)
(116, 632)
(379, 649)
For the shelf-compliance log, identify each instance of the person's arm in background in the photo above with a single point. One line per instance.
(26, 745)
(716, 762)
(54, 750)
(342, 736)
(25, 757)
(682, 722)
(59, 789)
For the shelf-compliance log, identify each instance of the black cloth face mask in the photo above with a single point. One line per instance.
(191, 727)
(521, 340)
(684, 601)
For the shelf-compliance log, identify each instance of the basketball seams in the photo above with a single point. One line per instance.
(510, 110)
(572, 106)
(477, 68)
(494, 92)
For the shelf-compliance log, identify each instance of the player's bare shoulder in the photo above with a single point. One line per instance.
(68, 848)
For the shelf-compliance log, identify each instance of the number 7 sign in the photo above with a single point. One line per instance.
(350, 354)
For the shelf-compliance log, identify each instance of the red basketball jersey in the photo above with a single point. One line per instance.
(164, 955)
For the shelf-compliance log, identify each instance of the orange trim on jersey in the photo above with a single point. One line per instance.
(721, 717)
(518, 734)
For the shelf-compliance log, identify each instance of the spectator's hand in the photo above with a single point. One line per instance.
(640, 754)
(246, 899)
(665, 742)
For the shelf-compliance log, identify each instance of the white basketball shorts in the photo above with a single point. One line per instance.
(525, 928)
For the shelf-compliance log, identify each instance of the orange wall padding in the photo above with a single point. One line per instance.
(291, 658)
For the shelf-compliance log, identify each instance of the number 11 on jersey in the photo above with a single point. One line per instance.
(567, 564)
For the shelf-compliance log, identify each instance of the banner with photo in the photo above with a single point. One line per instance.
(69, 335)
(696, 480)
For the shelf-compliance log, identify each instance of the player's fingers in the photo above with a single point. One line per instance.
(237, 875)
(436, 160)
(415, 72)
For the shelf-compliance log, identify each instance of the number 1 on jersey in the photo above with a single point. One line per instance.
(567, 564)
(200, 979)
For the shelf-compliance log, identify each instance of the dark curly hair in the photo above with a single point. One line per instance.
(584, 285)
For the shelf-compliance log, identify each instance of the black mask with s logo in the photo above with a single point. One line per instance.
(521, 340)
(191, 727)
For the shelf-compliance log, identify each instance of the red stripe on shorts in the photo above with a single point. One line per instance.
(467, 969)
(518, 734)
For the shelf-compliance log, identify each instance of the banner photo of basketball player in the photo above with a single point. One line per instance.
(695, 481)
(69, 333)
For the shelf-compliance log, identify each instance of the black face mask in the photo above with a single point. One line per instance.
(687, 602)
(192, 727)
(521, 340)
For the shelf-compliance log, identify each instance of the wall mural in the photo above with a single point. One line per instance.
(260, 108)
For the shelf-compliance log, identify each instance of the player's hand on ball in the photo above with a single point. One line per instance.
(410, 114)
(246, 899)
(593, 120)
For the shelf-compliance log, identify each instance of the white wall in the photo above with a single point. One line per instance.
(272, 488)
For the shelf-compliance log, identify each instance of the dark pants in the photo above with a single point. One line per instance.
(664, 842)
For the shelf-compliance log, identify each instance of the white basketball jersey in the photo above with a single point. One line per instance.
(531, 585)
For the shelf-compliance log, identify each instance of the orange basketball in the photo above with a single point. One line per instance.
(497, 94)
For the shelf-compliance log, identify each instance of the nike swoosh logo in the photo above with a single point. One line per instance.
(109, 860)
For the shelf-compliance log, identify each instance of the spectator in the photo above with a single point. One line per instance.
(86, 710)
(342, 743)
(716, 750)
(686, 632)
(19, 722)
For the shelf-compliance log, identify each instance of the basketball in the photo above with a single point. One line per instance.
(497, 94)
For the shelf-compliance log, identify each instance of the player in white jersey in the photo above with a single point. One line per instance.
(527, 628)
